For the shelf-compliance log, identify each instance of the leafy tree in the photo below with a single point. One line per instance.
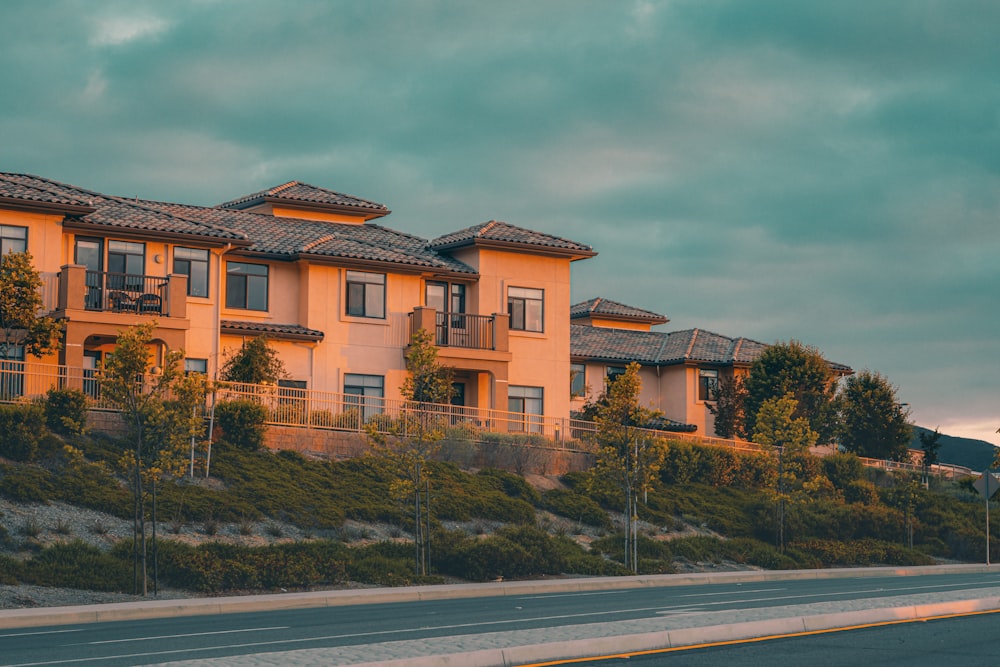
(160, 413)
(428, 381)
(416, 436)
(628, 459)
(872, 422)
(930, 443)
(730, 400)
(778, 427)
(20, 303)
(256, 362)
(799, 370)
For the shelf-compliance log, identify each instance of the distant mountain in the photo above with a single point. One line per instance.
(974, 454)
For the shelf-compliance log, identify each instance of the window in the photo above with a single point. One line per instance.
(526, 402)
(90, 253)
(366, 294)
(448, 299)
(246, 286)
(577, 380)
(525, 308)
(13, 239)
(364, 392)
(611, 373)
(193, 263)
(196, 366)
(126, 265)
(708, 384)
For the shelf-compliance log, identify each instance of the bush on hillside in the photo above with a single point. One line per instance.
(577, 507)
(66, 411)
(78, 565)
(718, 466)
(26, 484)
(843, 469)
(512, 485)
(242, 423)
(861, 552)
(22, 428)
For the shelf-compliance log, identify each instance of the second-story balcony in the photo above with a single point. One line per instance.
(463, 330)
(125, 293)
(107, 292)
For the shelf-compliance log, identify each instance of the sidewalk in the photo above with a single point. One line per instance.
(502, 649)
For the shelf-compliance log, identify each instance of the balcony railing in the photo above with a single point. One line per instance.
(464, 330)
(125, 293)
(307, 408)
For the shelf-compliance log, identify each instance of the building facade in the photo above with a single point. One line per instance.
(338, 294)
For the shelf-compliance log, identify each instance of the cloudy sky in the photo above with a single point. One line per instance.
(823, 171)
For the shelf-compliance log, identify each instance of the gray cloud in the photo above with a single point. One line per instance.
(822, 171)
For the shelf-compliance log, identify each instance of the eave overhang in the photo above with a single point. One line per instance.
(50, 208)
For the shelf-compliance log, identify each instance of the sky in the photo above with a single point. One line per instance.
(827, 172)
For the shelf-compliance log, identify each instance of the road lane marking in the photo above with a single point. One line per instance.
(190, 634)
(572, 595)
(41, 632)
(739, 592)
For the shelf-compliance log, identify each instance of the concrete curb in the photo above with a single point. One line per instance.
(667, 639)
(149, 609)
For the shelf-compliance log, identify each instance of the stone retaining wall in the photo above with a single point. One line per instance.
(463, 453)
(522, 459)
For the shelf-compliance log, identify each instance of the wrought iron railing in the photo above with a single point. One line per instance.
(125, 293)
(308, 408)
(464, 330)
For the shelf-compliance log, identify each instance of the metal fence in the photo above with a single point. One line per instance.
(309, 408)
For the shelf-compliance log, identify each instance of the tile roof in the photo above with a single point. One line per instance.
(114, 213)
(606, 307)
(657, 348)
(296, 192)
(293, 238)
(34, 189)
(268, 235)
(293, 331)
(501, 232)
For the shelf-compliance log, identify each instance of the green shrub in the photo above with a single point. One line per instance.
(91, 485)
(577, 507)
(242, 423)
(861, 491)
(861, 552)
(22, 427)
(843, 469)
(512, 485)
(26, 484)
(78, 565)
(66, 411)
(12, 571)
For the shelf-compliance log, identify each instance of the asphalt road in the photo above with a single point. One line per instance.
(245, 634)
(967, 641)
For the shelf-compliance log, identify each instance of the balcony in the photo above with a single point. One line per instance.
(105, 292)
(463, 330)
(125, 293)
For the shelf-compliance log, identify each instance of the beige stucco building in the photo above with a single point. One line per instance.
(338, 293)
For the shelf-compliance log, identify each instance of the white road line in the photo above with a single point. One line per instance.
(571, 595)
(739, 592)
(43, 632)
(190, 634)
